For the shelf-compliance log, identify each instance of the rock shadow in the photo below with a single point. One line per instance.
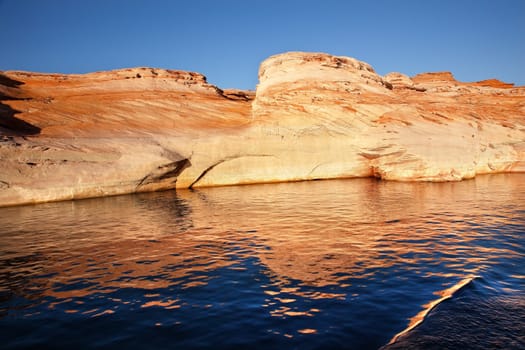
(9, 124)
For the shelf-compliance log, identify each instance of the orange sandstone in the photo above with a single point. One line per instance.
(313, 116)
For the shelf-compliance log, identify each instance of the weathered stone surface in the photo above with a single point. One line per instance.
(313, 116)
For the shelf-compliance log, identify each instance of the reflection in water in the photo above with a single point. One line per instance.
(420, 317)
(344, 263)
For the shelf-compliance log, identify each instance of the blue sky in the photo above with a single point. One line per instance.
(226, 40)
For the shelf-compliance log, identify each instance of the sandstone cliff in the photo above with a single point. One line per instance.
(313, 116)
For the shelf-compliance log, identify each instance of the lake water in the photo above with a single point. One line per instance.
(353, 264)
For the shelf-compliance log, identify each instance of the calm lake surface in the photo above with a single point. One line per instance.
(350, 264)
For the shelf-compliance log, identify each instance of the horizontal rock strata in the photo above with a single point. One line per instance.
(313, 116)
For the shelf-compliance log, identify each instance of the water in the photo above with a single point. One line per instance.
(353, 264)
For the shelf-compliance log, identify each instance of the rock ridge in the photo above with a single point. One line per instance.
(312, 116)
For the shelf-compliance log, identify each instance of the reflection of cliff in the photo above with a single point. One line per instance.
(304, 236)
(324, 233)
(108, 243)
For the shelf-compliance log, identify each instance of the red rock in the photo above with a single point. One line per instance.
(313, 116)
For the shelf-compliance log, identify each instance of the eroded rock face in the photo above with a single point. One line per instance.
(132, 130)
(313, 116)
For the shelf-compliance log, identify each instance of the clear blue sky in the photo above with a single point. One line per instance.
(226, 40)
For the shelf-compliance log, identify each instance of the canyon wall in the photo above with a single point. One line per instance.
(313, 116)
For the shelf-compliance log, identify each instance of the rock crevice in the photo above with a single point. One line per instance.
(164, 176)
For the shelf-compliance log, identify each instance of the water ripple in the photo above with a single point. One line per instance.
(328, 264)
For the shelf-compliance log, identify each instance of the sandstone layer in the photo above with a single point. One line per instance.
(313, 116)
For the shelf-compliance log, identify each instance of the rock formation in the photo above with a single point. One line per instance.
(313, 116)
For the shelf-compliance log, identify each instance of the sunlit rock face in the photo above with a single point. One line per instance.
(317, 116)
(105, 133)
(313, 116)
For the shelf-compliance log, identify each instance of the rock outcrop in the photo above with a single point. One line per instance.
(313, 116)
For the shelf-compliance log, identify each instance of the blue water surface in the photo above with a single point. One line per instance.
(342, 264)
